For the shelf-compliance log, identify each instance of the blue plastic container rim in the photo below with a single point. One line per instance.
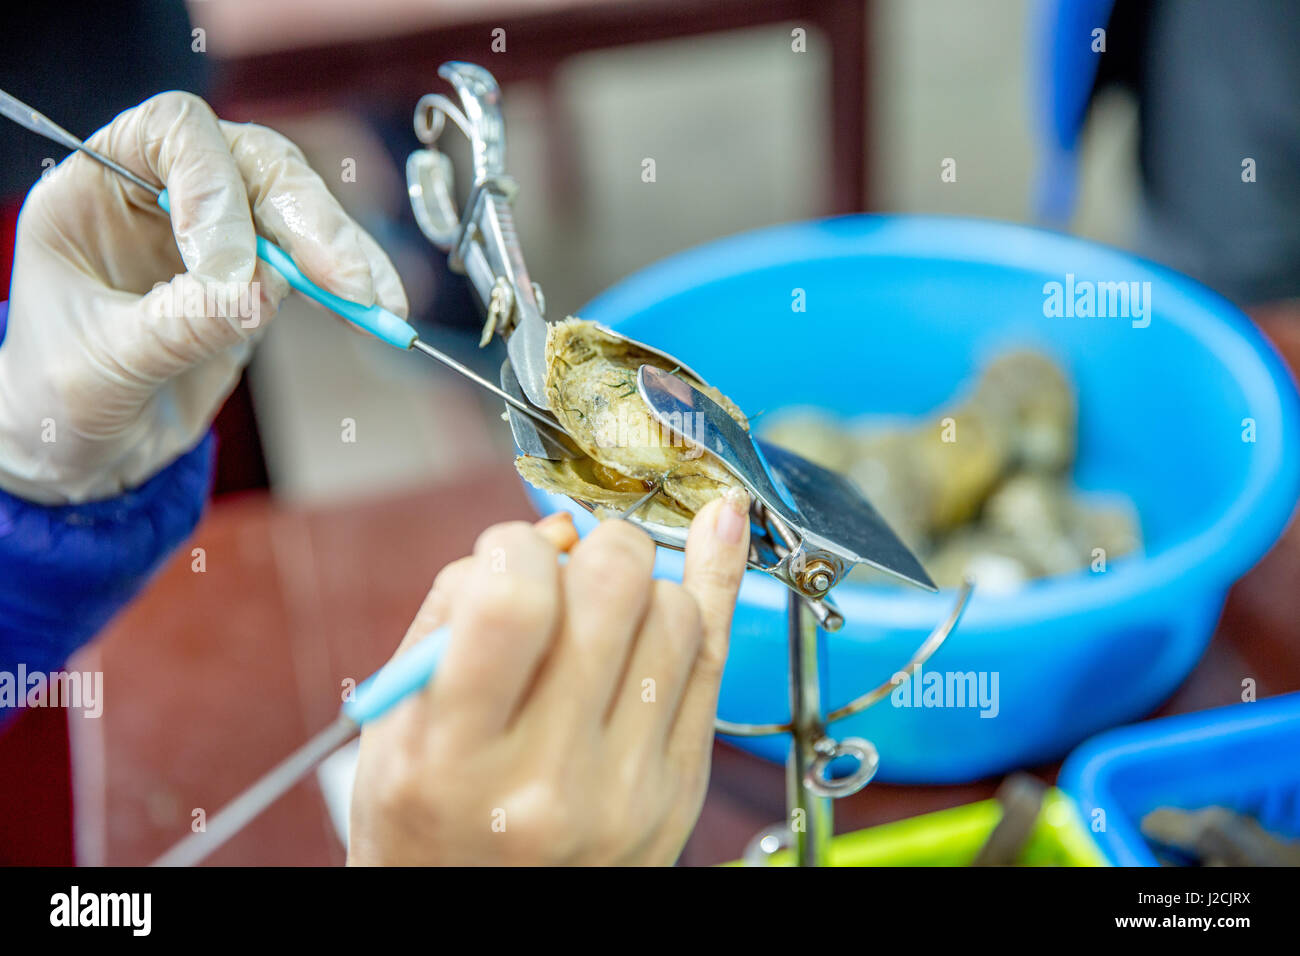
(1086, 773)
(1213, 557)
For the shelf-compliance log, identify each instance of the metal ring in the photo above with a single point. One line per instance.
(431, 114)
(766, 843)
(859, 704)
(923, 654)
(748, 730)
(829, 750)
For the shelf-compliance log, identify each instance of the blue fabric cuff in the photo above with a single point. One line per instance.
(66, 570)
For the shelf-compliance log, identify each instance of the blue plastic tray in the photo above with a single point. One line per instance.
(1245, 757)
(900, 312)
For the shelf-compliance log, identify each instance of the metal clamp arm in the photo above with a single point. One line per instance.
(481, 242)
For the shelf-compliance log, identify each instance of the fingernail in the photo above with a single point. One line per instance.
(231, 265)
(558, 529)
(351, 270)
(356, 287)
(734, 517)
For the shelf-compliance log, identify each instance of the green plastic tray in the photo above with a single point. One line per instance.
(953, 837)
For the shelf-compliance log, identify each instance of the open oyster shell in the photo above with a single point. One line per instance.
(591, 385)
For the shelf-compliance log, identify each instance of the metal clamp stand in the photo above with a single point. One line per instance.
(811, 526)
(809, 825)
(811, 816)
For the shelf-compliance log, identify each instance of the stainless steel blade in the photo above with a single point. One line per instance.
(531, 437)
(826, 510)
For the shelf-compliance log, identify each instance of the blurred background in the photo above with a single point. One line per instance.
(317, 547)
(744, 131)
(738, 126)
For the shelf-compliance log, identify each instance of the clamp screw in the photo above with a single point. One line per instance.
(817, 577)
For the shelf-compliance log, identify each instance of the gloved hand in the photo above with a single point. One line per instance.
(126, 330)
(571, 719)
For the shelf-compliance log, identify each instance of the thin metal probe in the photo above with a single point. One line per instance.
(22, 114)
(477, 379)
(628, 512)
(275, 783)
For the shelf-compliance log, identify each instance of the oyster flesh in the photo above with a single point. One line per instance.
(591, 385)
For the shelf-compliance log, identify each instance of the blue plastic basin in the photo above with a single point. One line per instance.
(1245, 757)
(901, 311)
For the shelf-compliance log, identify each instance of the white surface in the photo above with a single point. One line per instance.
(336, 774)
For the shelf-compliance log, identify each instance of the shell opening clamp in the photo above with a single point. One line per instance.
(810, 526)
(481, 242)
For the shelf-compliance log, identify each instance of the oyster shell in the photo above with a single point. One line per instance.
(979, 487)
(591, 385)
(589, 481)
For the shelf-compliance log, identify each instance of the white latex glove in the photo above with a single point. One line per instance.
(126, 330)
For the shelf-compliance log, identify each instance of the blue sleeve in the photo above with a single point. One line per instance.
(65, 570)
